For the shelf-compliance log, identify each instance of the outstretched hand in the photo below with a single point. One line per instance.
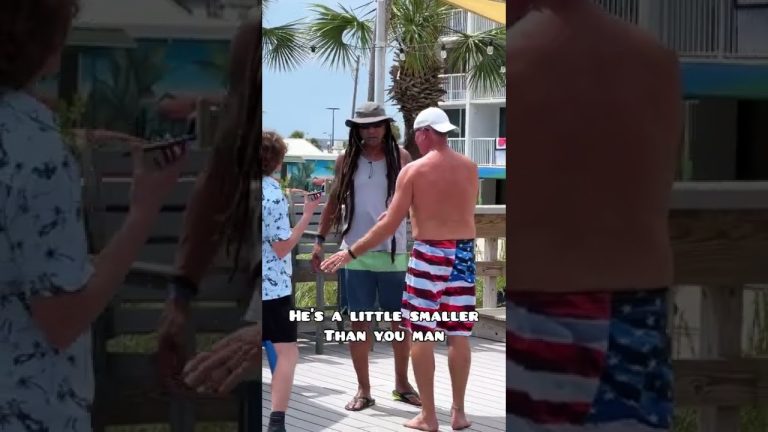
(336, 261)
(227, 363)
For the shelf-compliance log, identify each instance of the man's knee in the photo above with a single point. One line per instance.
(360, 325)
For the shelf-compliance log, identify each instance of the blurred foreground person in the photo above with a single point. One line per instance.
(50, 292)
(595, 125)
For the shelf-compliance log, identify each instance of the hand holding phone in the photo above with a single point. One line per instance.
(311, 201)
(156, 169)
(164, 153)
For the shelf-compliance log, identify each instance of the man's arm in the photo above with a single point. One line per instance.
(276, 229)
(397, 211)
(200, 240)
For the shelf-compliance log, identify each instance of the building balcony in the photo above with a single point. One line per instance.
(456, 90)
(697, 29)
(482, 151)
(466, 22)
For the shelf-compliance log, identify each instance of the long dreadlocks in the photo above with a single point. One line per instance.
(344, 190)
(238, 136)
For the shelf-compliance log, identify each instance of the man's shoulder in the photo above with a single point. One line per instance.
(466, 161)
(271, 189)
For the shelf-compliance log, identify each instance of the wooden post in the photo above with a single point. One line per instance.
(489, 282)
(721, 324)
(207, 120)
(320, 302)
(182, 408)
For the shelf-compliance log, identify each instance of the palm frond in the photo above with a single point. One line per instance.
(285, 46)
(339, 36)
(470, 53)
(416, 26)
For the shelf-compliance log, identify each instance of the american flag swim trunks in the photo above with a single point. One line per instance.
(597, 362)
(440, 278)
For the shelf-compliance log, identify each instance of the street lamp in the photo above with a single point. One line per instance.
(333, 122)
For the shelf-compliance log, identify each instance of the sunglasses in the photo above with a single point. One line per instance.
(371, 125)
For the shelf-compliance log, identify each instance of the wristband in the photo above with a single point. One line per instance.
(319, 239)
(182, 288)
(349, 251)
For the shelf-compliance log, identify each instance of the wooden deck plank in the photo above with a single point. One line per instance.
(325, 383)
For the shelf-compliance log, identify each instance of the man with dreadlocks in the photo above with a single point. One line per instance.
(365, 184)
(441, 190)
(222, 211)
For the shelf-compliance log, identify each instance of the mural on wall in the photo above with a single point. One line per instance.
(309, 175)
(151, 90)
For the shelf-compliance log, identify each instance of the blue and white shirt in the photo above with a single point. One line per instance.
(43, 252)
(275, 226)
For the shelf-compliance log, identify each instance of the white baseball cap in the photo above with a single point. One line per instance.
(435, 118)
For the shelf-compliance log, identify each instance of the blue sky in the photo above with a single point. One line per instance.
(298, 100)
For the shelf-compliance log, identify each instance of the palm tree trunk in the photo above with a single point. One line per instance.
(414, 92)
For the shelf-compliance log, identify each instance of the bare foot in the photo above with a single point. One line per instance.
(459, 419)
(422, 424)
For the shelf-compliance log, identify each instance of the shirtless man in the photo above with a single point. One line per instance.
(440, 189)
(595, 124)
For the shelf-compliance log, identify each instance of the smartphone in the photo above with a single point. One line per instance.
(314, 196)
(165, 152)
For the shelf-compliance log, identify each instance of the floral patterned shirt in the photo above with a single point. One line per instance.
(43, 252)
(275, 226)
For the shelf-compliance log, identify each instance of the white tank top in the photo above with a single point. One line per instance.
(370, 202)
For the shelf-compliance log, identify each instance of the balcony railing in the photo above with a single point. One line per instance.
(481, 24)
(457, 22)
(693, 28)
(455, 86)
(481, 150)
(628, 10)
(490, 94)
(462, 21)
(698, 28)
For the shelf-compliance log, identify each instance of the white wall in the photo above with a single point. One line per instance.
(483, 121)
(752, 30)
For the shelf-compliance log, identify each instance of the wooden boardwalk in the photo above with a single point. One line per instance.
(325, 383)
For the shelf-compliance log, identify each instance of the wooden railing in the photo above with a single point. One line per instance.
(128, 391)
(719, 233)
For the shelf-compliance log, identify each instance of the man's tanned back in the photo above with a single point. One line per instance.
(594, 121)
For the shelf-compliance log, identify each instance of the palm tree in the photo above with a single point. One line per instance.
(415, 27)
(284, 46)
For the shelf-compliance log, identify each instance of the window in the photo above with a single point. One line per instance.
(457, 117)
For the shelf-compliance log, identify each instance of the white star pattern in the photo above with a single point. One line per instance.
(275, 226)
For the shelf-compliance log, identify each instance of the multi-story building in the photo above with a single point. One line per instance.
(723, 49)
(479, 114)
(229, 9)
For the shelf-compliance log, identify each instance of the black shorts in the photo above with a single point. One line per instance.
(278, 327)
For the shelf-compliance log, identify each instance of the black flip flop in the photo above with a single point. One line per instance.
(403, 397)
(367, 403)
